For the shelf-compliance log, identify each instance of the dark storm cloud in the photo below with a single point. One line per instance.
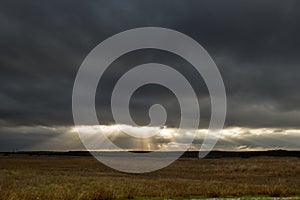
(26, 138)
(255, 44)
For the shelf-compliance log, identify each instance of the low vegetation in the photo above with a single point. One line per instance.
(82, 177)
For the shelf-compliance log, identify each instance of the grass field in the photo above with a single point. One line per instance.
(75, 177)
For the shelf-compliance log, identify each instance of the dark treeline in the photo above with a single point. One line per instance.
(187, 154)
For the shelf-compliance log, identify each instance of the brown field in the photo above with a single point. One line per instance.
(75, 177)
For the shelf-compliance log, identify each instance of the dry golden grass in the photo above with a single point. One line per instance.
(67, 177)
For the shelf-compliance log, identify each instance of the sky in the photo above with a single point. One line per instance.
(254, 43)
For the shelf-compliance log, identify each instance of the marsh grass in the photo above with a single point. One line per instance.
(67, 177)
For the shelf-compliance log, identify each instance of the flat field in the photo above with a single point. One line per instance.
(83, 177)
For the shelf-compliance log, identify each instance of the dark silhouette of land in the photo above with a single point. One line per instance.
(187, 154)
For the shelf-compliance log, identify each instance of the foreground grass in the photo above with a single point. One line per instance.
(66, 177)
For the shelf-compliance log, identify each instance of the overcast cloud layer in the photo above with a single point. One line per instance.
(62, 138)
(255, 44)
